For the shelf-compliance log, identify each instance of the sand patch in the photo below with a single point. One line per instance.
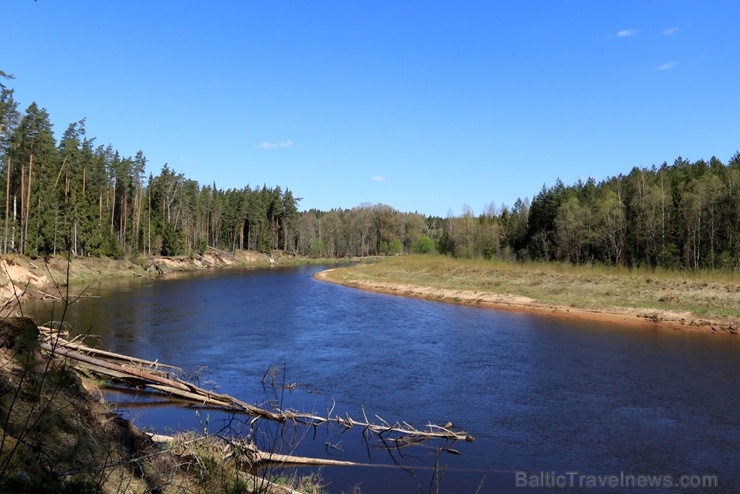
(617, 315)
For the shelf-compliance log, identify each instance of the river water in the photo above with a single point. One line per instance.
(561, 400)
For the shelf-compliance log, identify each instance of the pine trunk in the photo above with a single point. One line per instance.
(113, 208)
(22, 218)
(28, 202)
(7, 208)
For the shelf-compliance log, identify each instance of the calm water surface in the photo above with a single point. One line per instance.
(538, 394)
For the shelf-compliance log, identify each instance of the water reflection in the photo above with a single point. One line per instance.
(538, 393)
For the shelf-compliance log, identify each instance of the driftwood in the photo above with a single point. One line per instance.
(253, 458)
(50, 333)
(257, 457)
(162, 378)
(72, 299)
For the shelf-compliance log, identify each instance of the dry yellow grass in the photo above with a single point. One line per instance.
(598, 288)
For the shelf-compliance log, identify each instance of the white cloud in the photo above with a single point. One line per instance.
(625, 33)
(379, 178)
(275, 145)
(670, 31)
(667, 66)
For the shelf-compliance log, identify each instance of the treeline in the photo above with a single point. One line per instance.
(366, 230)
(73, 196)
(680, 216)
(86, 199)
(685, 215)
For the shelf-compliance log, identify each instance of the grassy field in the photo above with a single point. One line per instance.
(702, 293)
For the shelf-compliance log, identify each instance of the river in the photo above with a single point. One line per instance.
(561, 400)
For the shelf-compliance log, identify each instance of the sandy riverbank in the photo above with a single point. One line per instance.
(654, 318)
(22, 278)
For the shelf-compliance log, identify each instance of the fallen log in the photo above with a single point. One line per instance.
(82, 348)
(140, 376)
(203, 400)
(119, 369)
(258, 458)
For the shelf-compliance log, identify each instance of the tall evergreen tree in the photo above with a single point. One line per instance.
(35, 152)
(9, 121)
(541, 221)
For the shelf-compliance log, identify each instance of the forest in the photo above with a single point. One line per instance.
(73, 196)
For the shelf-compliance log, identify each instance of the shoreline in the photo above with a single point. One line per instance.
(643, 318)
(24, 279)
(31, 280)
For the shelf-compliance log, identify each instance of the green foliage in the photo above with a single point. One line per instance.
(172, 243)
(392, 248)
(200, 246)
(317, 248)
(395, 247)
(424, 245)
(236, 487)
(73, 196)
(446, 244)
(488, 251)
(112, 248)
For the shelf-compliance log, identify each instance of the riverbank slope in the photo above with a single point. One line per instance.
(23, 278)
(708, 302)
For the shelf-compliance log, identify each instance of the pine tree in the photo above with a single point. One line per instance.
(290, 221)
(9, 120)
(35, 152)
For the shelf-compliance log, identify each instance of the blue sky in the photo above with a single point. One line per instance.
(424, 106)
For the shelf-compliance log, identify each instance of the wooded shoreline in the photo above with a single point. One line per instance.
(58, 277)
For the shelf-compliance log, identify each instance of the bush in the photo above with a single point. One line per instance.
(424, 245)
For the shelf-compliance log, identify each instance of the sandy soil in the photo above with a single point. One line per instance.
(22, 278)
(654, 318)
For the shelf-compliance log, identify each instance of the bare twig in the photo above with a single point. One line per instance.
(146, 373)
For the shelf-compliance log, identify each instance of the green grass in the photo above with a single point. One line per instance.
(592, 287)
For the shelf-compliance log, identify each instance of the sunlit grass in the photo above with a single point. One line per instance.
(598, 287)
